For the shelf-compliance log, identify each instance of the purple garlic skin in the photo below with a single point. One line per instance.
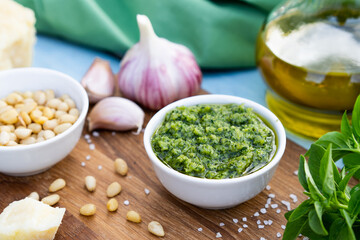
(99, 81)
(156, 72)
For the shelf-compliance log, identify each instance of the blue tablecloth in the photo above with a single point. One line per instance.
(75, 60)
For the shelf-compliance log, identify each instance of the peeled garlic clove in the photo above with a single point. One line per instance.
(99, 81)
(156, 72)
(116, 113)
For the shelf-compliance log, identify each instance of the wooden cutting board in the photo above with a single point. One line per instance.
(179, 219)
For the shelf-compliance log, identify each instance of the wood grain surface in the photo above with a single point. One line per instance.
(179, 219)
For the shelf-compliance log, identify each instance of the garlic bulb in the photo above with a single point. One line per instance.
(116, 113)
(156, 72)
(99, 81)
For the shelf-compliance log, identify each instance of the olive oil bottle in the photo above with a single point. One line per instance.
(309, 55)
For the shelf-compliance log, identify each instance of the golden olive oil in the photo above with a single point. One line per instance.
(312, 67)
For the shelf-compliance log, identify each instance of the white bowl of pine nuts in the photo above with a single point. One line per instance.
(42, 115)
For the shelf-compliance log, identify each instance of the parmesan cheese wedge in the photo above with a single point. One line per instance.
(17, 35)
(29, 219)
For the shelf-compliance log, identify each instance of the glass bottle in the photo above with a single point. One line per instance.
(308, 53)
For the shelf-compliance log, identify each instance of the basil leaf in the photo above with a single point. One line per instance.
(356, 118)
(348, 222)
(315, 153)
(345, 126)
(313, 189)
(293, 229)
(326, 173)
(337, 176)
(340, 231)
(346, 179)
(301, 173)
(355, 188)
(288, 214)
(301, 210)
(308, 232)
(337, 139)
(354, 203)
(315, 222)
(352, 159)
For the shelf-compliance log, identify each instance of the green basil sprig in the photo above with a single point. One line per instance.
(332, 210)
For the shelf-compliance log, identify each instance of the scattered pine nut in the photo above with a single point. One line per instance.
(133, 216)
(121, 166)
(88, 209)
(90, 183)
(113, 189)
(34, 195)
(156, 229)
(51, 199)
(57, 185)
(112, 205)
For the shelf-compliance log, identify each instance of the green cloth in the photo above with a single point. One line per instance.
(221, 34)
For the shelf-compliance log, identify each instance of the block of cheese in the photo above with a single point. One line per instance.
(17, 35)
(29, 219)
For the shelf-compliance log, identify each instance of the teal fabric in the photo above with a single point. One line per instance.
(221, 34)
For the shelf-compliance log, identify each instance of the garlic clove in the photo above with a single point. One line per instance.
(116, 113)
(156, 72)
(99, 80)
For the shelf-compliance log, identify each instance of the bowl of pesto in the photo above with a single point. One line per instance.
(214, 151)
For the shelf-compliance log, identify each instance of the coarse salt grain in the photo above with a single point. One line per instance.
(256, 214)
(271, 195)
(235, 220)
(296, 172)
(278, 210)
(96, 134)
(126, 202)
(200, 229)
(268, 187)
(99, 167)
(88, 141)
(283, 227)
(240, 230)
(258, 222)
(261, 226)
(262, 238)
(263, 210)
(266, 222)
(270, 222)
(88, 157)
(221, 224)
(268, 201)
(92, 146)
(274, 205)
(147, 191)
(293, 197)
(267, 205)
(287, 204)
(87, 136)
(83, 164)
(218, 235)
(245, 226)
(244, 219)
(278, 235)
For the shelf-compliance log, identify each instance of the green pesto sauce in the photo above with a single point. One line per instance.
(214, 141)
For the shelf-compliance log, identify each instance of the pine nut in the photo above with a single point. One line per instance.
(40, 139)
(112, 205)
(74, 112)
(47, 112)
(11, 143)
(62, 127)
(41, 120)
(50, 124)
(133, 216)
(57, 185)
(13, 98)
(34, 195)
(35, 127)
(27, 94)
(51, 199)
(59, 113)
(4, 138)
(9, 116)
(5, 129)
(113, 189)
(121, 166)
(65, 96)
(29, 140)
(54, 103)
(29, 107)
(40, 97)
(156, 229)
(22, 133)
(67, 118)
(63, 107)
(3, 103)
(48, 134)
(49, 94)
(88, 209)
(70, 102)
(12, 136)
(90, 183)
(25, 117)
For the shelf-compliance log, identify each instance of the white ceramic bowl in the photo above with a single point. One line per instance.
(35, 158)
(215, 193)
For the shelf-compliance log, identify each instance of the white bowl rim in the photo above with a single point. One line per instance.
(266, 114)
(84, 99)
